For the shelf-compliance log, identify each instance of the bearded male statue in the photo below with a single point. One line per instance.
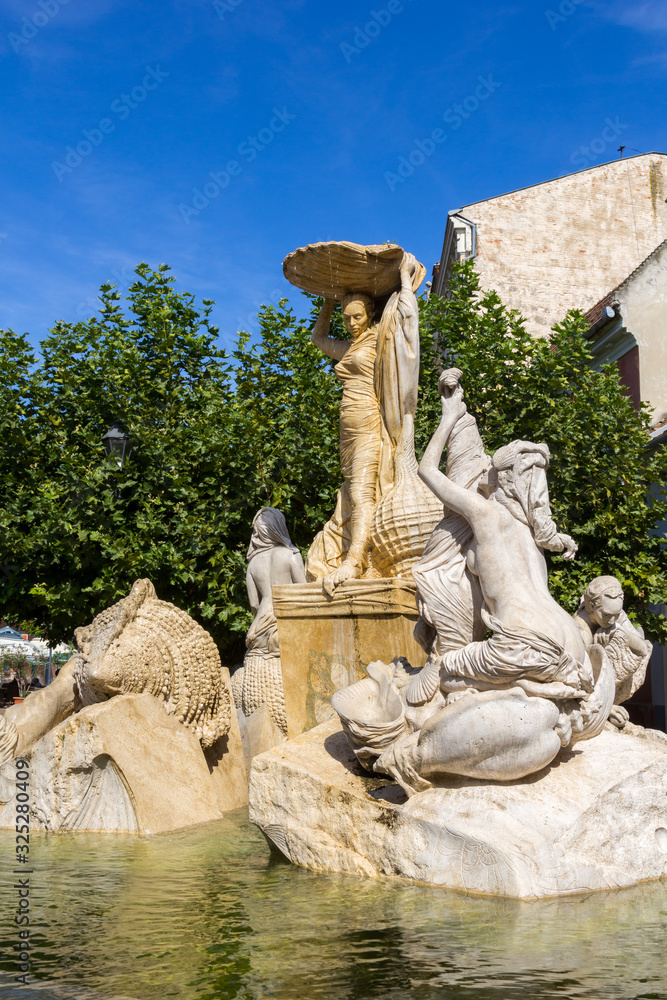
(603, 622)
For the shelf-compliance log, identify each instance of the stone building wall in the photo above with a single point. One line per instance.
(567, 242)
(643, 306)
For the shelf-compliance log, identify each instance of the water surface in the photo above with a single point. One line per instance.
(209, 914)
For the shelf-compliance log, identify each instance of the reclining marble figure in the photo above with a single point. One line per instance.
(493, 708)
(139, 645)
(603, 622)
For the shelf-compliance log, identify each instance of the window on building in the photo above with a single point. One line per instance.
(628, 374)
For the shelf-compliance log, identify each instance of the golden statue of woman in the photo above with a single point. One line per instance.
(379, 369)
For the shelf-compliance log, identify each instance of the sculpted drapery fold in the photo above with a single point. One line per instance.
(396, 378)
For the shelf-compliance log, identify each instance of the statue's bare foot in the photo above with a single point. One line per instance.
(619, 716)
(9, 738)
(348, 570)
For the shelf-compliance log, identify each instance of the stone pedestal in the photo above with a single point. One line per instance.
(326, 643)
(596, 818)
(125, 765)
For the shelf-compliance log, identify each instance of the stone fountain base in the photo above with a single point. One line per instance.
(327, 643)
(595, 819)
(126, 766)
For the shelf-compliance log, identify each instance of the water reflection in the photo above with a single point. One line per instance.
(209, 915)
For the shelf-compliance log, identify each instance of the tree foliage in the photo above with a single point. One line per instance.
(216, 436)
(213, 439)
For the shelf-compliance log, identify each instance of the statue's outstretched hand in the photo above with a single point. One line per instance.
(570, 547)
(453, 405)
(449, 381)
(408, 266)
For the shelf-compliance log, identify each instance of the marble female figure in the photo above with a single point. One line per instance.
(379, 369)
(272, 561)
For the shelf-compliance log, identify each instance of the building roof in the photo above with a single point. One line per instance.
(554, 180)
(596, 312)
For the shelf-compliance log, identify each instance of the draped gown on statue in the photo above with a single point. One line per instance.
(380, 375)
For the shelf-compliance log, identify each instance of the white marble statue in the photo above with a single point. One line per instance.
(603, 622)
(272, 561)
(496, 708)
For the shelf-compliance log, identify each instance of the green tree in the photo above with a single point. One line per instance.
(213, 439)
(601, 473)
(216, 436)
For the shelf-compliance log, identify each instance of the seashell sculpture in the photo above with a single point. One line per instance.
(405, 516)
(331, 269)
(144, 645)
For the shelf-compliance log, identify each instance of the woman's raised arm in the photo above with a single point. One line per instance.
(320, 336)
(457, 498)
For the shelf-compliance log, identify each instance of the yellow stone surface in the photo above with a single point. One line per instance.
(126, 765)
(326, 643)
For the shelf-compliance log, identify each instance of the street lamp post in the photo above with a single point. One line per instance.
(117, 444)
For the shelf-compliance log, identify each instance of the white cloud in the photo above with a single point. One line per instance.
(649, 15)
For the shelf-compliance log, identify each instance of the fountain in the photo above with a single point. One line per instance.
(485, 759)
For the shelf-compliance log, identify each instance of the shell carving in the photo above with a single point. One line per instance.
(405, 517)
(144, 645)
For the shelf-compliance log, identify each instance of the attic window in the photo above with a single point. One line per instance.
(463, 242)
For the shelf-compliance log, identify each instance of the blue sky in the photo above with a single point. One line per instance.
(291, 119)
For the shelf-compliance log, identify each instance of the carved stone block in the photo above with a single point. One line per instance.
(125, 765)
(596, 818)
(327, 643)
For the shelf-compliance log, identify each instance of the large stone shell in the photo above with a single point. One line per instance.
(404, 520)
(335, 268)
(144, 645)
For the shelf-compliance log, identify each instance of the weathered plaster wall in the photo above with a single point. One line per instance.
(570, 241)
(643, 306)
